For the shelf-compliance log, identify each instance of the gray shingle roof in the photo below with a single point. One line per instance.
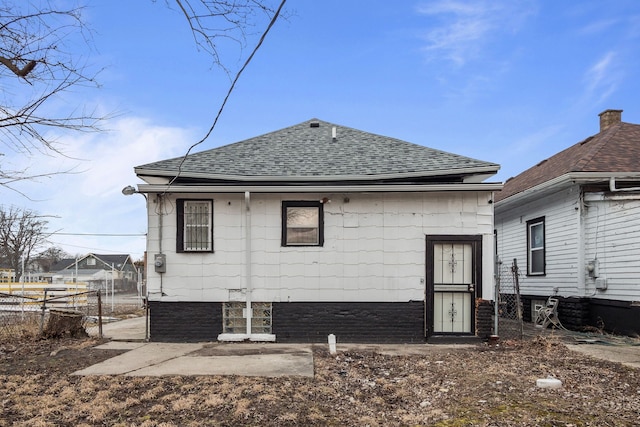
(308, 150)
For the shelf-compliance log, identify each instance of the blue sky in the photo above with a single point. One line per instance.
(505, 81)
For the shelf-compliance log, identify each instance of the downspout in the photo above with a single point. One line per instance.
(582, 290)
(247, 255)
(160, 224)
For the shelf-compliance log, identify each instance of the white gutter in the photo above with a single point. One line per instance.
(613, 188)
(558, 182)
(492, 169)
(369, 188)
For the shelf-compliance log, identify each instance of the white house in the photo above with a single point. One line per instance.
(573, 223)
(98, 271)
(319, 229)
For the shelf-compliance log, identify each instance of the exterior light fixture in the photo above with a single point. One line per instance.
(129, 190)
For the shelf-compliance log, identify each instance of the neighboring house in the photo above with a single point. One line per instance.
(573, 224)
(98, 271)
(319, 229)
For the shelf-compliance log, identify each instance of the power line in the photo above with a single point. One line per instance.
(233, 85)
(90, 248)
(100, 234)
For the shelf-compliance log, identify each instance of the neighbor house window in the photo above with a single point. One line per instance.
(195, 225)
(302, 224)
(234, 316)
(535, 247)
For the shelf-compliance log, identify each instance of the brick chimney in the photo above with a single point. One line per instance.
(609, 118)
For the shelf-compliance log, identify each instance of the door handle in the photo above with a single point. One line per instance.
(472, 287)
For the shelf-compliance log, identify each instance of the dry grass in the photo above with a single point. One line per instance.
(466, 387)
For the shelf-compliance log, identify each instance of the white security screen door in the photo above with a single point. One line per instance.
(453, 289)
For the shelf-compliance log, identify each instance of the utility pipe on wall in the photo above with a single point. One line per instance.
(580, 234)
(160, 201)
(247, 249)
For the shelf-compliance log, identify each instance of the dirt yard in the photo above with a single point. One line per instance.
(478, 386)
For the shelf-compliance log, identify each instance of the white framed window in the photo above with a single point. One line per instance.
(302, 223)
(195, 226)
(234, 317)
(536, 247)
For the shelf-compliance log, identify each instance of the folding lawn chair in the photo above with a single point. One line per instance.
(548, 315)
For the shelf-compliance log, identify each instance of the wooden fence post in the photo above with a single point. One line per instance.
(44, 307)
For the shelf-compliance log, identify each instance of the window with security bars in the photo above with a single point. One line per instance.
(195, 226)
(235, 318)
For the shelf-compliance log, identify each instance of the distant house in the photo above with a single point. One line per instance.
(319, 229)
(99, 271)
(573, 224)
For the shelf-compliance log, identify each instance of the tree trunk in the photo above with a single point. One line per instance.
(64, 323)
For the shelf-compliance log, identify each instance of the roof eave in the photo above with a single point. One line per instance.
(479, 170)
(373, 188)
(561, 182)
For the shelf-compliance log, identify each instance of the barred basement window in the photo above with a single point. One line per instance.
(235, 320)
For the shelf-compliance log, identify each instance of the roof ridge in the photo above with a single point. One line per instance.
(321, 151)
(600, 140)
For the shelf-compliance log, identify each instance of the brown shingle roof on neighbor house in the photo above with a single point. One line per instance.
(616, 149)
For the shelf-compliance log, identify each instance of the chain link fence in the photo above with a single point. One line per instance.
(510, 322)
(26, 311)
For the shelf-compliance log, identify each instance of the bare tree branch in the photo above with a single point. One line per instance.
(21, 233)
(42, 60)
(214, 22)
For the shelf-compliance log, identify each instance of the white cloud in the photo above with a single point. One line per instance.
(598, 27)
(602, 78)
(463, 28)
(90, 201)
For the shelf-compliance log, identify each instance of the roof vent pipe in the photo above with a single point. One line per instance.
(334, 133)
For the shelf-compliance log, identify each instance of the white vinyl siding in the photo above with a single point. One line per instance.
(374, 248)
(562, 266)
(612, 237)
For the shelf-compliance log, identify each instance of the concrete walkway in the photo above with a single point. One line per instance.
(273, 359)
(164, 359)
(161, 359)
(628, 355)
(123, 330)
